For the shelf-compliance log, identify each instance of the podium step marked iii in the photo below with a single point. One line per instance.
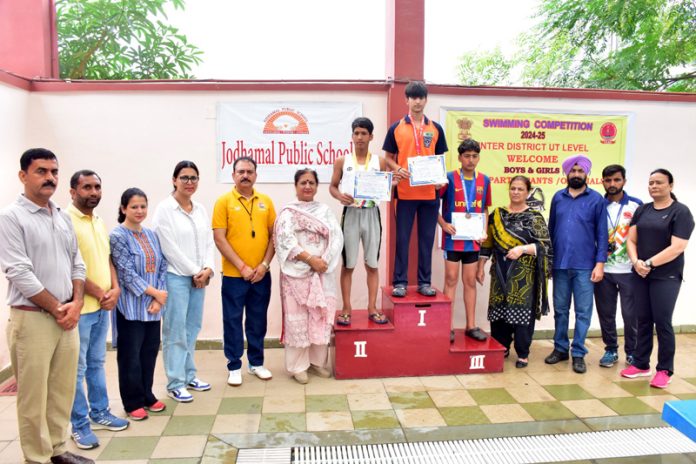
(416, 342)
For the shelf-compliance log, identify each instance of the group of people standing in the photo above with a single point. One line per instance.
(66, 272)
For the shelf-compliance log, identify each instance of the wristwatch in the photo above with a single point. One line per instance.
(649, 263)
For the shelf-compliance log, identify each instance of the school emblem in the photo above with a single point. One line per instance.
(262, 205)
(428, 139)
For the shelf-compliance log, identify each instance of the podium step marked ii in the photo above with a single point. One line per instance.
(416, 342)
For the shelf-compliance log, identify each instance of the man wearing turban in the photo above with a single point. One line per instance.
(577, 224)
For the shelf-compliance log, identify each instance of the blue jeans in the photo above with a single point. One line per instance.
(181, 321)
(90, 368)
(240, 296)
(575, 283)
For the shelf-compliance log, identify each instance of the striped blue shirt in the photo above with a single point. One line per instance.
(139, 263)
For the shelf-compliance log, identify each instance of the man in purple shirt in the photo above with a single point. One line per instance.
(577, 224)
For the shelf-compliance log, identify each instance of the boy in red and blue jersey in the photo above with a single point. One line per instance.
(467, 192)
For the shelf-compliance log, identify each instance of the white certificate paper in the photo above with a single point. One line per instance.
(373, 185)
(427, 170)
(468, 228)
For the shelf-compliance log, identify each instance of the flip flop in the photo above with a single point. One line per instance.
(378, 318)
(343, 319)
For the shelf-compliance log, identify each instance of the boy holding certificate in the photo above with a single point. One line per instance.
(414, 135)
(465, 202)
(360, 220)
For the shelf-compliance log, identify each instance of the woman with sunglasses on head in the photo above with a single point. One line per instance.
(140, 268)
(657, 239)
(183, 228)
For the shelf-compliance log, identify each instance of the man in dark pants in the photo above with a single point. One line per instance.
(243, 229)
(617, 270)
(414, 135)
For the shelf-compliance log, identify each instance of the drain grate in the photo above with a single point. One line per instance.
(507, 450)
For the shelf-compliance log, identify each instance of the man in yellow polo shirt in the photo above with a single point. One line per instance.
(91, 411)
(243, 230)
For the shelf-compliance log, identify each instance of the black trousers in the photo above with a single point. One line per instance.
(406, 212)
(138, 344)
(655, 301)
(606, 293)
(522, 335)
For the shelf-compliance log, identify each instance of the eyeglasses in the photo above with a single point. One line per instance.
(189, 179)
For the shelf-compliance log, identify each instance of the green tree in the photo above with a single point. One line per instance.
(617, 44)
(121, 39)
(485, 68)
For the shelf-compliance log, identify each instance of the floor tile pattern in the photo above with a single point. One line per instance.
(540, 399)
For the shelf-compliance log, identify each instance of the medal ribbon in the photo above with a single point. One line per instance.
(614, 224)
(417, 134)
(464, 188)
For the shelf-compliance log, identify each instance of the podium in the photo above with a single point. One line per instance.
(415, 342)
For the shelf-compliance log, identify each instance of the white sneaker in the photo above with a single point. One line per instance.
(181, 395)
(235, 378)
(260, 372)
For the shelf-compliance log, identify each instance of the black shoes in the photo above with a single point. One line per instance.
(556, 357)
(579, 364)
(477, 334)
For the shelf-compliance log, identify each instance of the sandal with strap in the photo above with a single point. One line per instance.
(378, 318)
(343, 319)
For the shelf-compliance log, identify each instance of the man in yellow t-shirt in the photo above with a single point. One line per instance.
(91, 411)
(243, 230)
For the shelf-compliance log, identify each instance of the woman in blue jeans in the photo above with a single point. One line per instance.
(183, 228)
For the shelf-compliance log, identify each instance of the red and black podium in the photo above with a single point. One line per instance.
(415, 342)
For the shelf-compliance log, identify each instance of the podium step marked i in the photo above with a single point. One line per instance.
(416, 342)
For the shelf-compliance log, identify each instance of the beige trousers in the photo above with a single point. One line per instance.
(298, 359)
(44, 362)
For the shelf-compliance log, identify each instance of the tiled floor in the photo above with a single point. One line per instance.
(537, 400)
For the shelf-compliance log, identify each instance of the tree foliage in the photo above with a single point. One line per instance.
(618, 44)
(122, 39)
(485, 68)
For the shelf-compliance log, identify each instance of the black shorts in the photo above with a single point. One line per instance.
(466, 257)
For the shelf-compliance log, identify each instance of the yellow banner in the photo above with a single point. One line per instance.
(535, 145)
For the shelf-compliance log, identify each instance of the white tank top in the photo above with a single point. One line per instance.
(350, 167)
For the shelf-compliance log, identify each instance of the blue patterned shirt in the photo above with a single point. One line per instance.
(139, 263)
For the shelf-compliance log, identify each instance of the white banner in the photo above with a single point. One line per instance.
(283, 137)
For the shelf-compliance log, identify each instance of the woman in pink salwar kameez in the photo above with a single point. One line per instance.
(308, 243)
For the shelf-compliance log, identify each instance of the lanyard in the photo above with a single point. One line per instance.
(249, 212)
(417, 133)
(464, 188)
(614, 224)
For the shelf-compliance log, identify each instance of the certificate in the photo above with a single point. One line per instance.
(468, 226)
(373, 185)
(427, 170)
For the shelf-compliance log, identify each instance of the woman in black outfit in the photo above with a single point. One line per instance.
(657, 239)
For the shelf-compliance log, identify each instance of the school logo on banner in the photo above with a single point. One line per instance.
(283, 137)
(285, 121)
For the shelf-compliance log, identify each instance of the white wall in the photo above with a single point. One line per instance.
(136, 138)
(13, 122)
